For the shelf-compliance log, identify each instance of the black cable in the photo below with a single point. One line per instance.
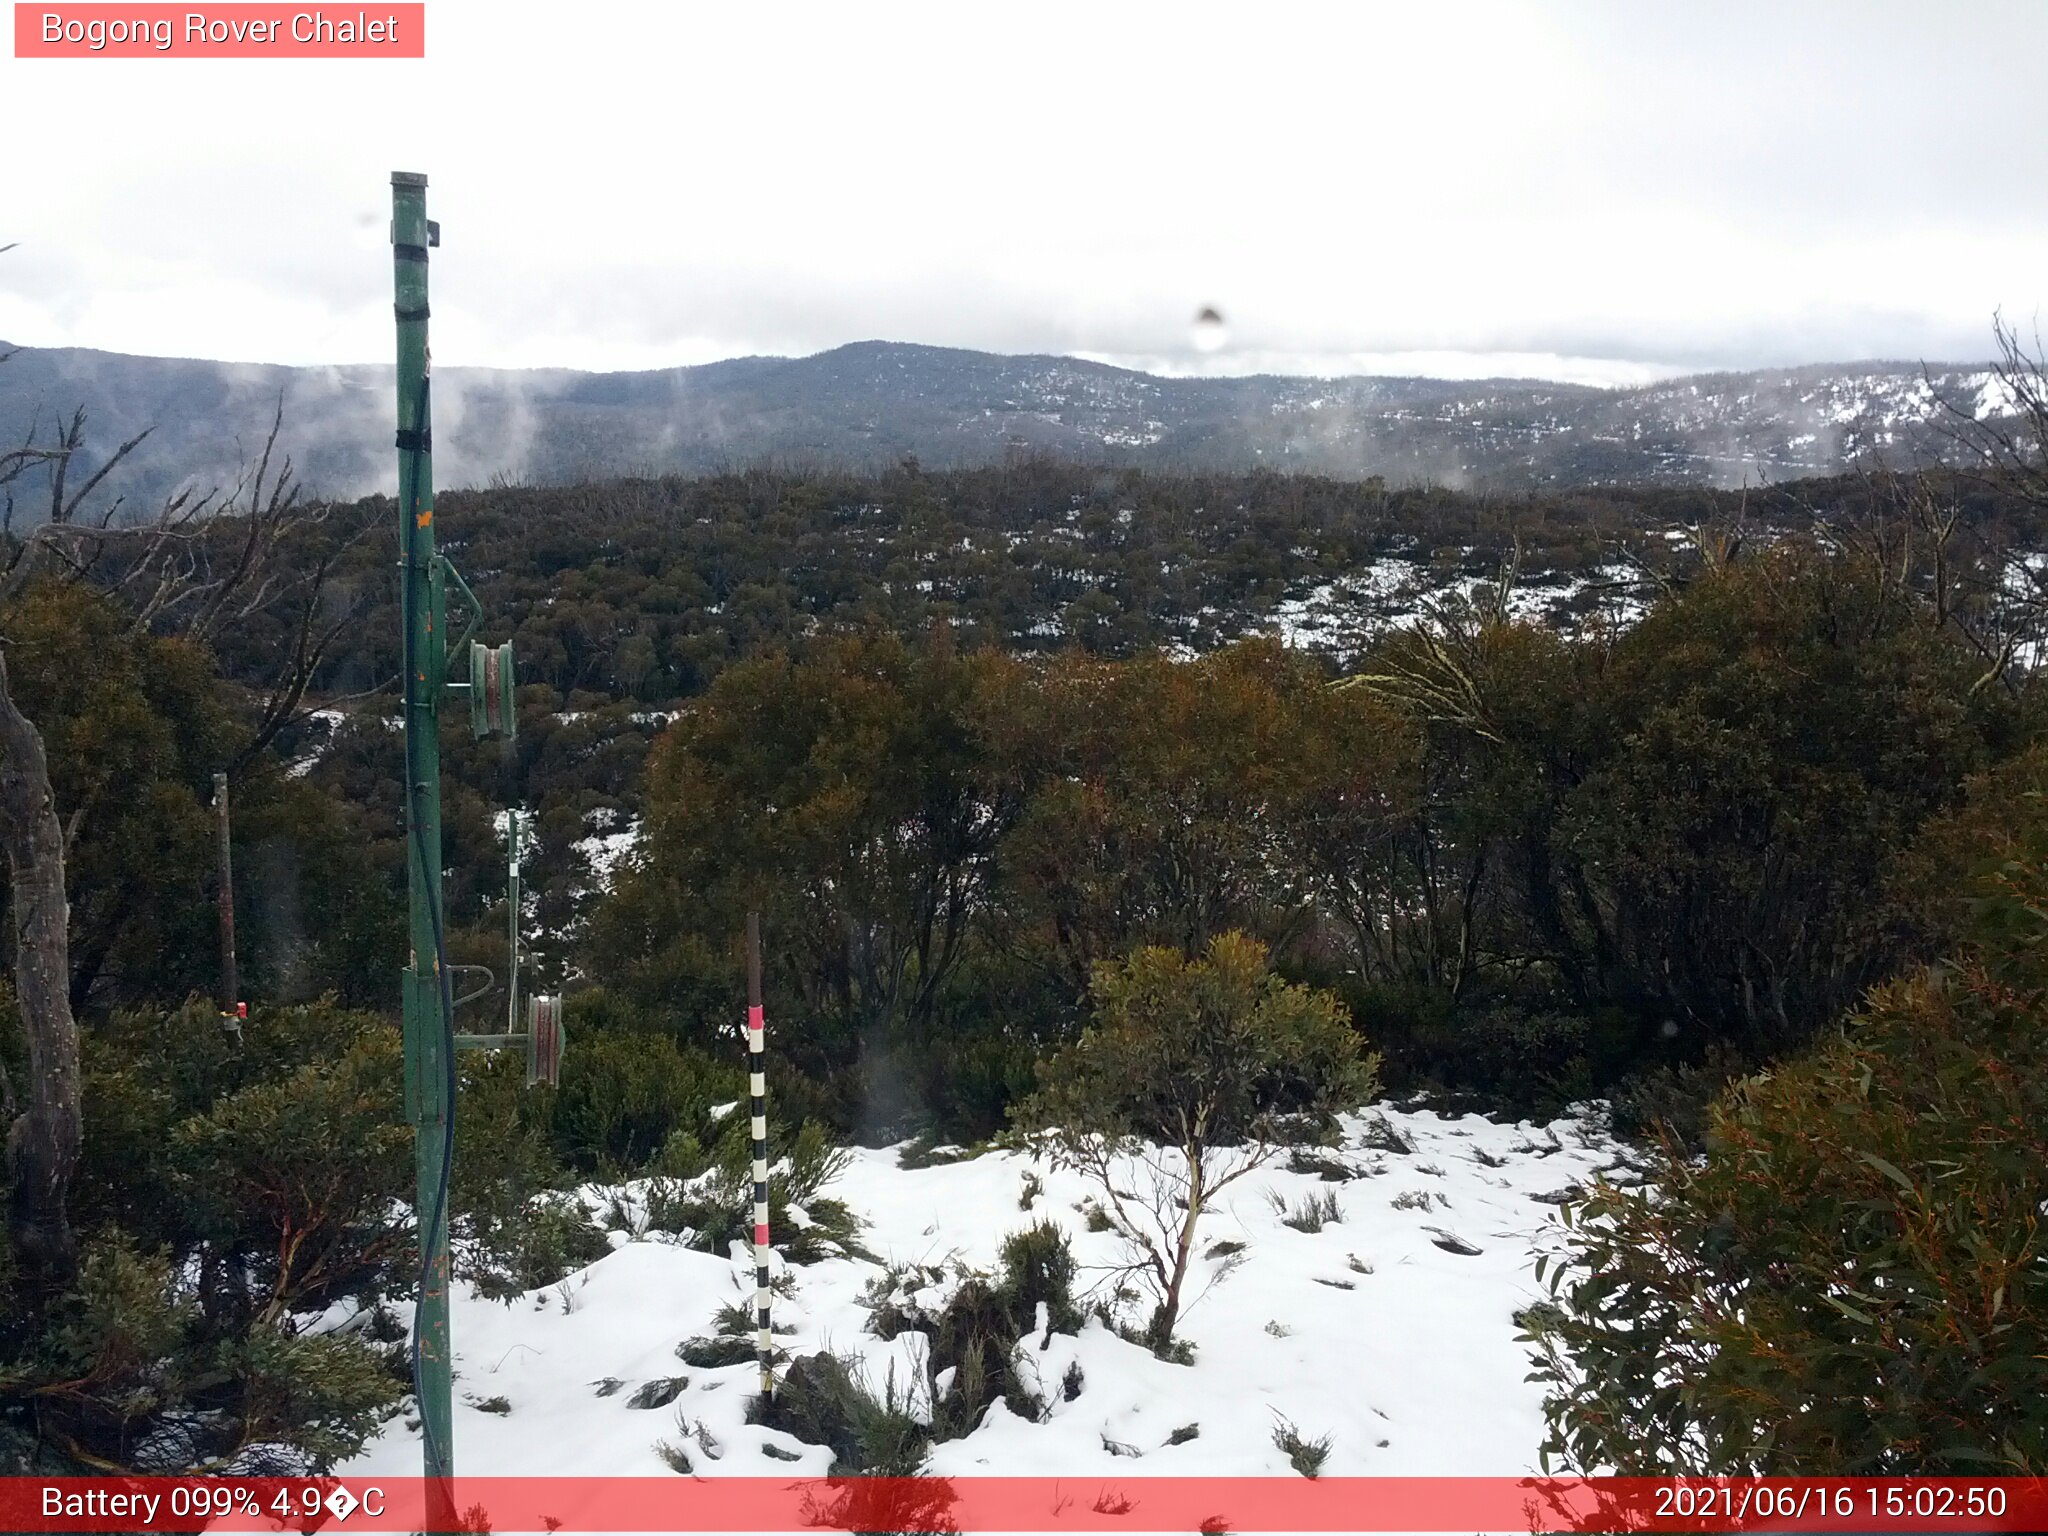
(415, 787)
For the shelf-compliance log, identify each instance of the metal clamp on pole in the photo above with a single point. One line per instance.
(493, 709)
(544, 1037)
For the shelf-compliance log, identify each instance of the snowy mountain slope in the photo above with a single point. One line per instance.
(1370, 1332)
(871, 403)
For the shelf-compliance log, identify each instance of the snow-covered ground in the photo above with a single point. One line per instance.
(330, 722)
(1372, 1332)
(613, 836)
(1344, 616)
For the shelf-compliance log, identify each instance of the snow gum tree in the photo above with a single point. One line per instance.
(1850, 1279)
(200, 566)
(1194, 1073)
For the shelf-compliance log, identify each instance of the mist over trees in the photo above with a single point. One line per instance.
(867, 405)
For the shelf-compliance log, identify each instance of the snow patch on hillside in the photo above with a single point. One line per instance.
(1372, 1331)
(613, 837)
(327, 725)
(1342, 617)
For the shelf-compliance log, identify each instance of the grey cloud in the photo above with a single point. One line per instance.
(1698, 186)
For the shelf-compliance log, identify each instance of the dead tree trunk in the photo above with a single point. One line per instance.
(43, 1140)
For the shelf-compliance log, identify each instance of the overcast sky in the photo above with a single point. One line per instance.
(1592, 191)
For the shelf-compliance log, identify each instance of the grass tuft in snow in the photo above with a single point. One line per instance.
(676, 1453)
(1380, 1136)
(708, 1197)
(1331, 1170)
(974, 1337)
(832, 1222)
(708, 1354)
(1314, 1213)
(829, 1401)
(707, 1442)
(677, 1457)
(541, 1244)
(1304, 1455)
(1417, 1200)
(890, 1298)
(1174, 1351)
(733, 1320)
(922, 1153)
(1038, 1270)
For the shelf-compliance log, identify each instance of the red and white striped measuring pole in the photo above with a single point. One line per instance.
(757, 1089)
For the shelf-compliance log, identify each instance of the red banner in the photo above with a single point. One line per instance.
(1092, 1503)
(228, 31)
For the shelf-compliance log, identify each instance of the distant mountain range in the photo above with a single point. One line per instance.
(873, 403)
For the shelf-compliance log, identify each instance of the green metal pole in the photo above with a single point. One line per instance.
(429, 1063)
(515, 826)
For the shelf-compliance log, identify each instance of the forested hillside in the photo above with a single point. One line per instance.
(948, 650)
